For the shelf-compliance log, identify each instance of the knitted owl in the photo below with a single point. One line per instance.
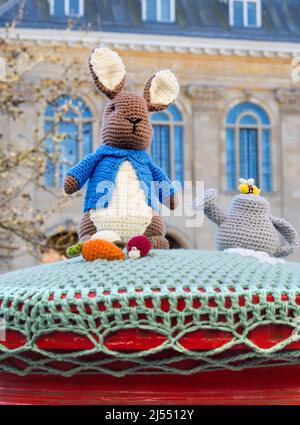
(248, 224)
(124, 185)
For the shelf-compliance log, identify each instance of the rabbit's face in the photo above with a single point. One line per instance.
(126, 121)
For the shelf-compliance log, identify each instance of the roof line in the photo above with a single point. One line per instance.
(157, 43)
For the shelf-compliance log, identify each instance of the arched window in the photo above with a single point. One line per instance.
(167, 144)
(69, 137)
(56, 246)
(248, 146)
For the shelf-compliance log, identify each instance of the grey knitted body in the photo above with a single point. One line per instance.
(249, 224)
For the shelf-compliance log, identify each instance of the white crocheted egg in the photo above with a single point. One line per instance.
(107, 235)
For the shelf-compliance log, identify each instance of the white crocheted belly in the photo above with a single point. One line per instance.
(128, 213)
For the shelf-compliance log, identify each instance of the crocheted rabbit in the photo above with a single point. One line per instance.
(248, 224)
(120, 201)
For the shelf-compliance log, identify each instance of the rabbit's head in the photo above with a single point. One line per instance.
(126, 121)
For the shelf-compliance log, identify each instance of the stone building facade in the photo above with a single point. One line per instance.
(216, 72)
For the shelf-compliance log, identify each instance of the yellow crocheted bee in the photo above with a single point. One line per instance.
(248, 186)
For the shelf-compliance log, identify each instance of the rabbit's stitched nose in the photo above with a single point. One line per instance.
(134, 120)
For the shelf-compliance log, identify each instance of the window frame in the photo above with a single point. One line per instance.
(245, 13)
(171, 123)
(260, 127)
(67, 8)
(79, 121)
(159, 11)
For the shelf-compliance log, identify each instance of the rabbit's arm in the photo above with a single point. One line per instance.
(78, 175)
(165, 189)
(290, 235)
(210, 206)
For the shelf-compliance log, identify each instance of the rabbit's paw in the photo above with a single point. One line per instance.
(173, 202)
(159, 242)
(70, 185)
(138, 246)
(99, 249)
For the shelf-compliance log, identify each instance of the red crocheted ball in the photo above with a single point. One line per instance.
(141, 243)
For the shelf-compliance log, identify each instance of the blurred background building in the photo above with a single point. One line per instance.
(238, 113)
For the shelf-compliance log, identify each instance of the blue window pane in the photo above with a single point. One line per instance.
(178, 154)
(175, 113)
(63, 104)
(59, 8)
(87, 138)
(74, 7)
(155, 147)
(238, 14)
(248, 144)
(61, 100)
(248, 119)
(165, 149)
(68, 106)
(249, 154)
(48, 128)
(81, 108)
(68, 148)
(247, 107)
(68, 129)
(252, 14)
(253, 155)
(165, 10)
(72, 107)
(161, 147)
(50, 110)
(160, 116)
(230, 159)
(49, 174)
(244, 155)
(266, 161)
(85, 111)
(151, 10)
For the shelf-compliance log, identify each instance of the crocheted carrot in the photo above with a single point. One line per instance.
(94, 249)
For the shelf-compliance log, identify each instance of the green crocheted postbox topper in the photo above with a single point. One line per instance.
(203, 290)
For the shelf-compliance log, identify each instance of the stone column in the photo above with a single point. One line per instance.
(289, 101)
(206, 147)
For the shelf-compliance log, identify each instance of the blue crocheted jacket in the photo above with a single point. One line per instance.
(101, 168)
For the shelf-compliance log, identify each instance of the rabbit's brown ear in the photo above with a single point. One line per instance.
(108, 71)
(161, 90)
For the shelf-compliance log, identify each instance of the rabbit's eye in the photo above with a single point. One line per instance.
(113, 108)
